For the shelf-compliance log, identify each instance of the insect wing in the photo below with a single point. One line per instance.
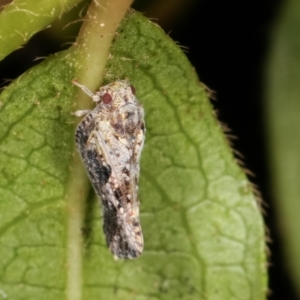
(112, 164)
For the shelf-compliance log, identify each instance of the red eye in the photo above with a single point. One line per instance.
(132, 90)
(106, 98)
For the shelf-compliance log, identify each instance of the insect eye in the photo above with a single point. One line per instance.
(106, 98)
(132, 90)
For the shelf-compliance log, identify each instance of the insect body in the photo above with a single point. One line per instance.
(110, 139)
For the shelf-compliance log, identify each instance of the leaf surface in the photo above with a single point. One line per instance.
(21, 19)
(203, 230)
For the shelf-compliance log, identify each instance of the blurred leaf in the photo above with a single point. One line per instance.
(21, 19)
(283, 118)
(204, 236)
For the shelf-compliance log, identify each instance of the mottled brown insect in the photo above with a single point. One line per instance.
(110, 139)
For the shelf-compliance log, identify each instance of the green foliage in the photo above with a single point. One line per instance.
(282, 112)
(21, 19)
(204, 236)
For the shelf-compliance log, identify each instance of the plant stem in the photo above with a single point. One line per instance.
(95, 37)
(91, 51)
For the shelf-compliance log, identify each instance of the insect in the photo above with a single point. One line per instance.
(110, 139)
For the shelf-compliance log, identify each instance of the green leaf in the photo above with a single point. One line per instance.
(21, 19)
(203, 230)
(282, 112)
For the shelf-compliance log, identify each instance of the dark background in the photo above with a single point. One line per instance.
(228, 44)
